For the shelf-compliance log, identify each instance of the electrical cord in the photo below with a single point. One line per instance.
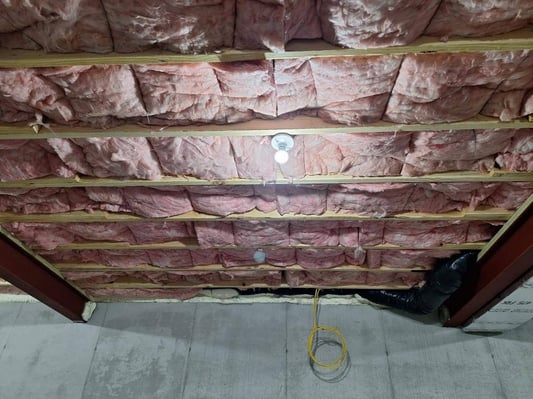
(317, 328)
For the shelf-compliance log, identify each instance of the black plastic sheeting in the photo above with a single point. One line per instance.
(440, 285)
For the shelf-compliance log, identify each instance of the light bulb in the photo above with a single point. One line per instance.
(259, 256)
(281, 156)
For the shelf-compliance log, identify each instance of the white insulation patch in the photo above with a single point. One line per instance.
(9, 298)
(212, 296)
(207, 297)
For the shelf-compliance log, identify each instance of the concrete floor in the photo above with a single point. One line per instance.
(202, 350)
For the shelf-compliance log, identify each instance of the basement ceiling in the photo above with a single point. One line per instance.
(136, 139)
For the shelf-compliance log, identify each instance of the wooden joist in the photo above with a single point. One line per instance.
(517, 40)
(489, 214)
(242, 285)
(450, 177)
(192, 244)
(258, 127)
(93, 267)
(503, 230)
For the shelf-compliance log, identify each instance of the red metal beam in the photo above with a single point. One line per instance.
(507, 262)
(27, 273)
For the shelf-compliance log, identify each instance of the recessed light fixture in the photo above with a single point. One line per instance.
(259, 256)
(282, 143)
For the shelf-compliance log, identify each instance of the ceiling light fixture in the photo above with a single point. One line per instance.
(282, 143)
(259, 256)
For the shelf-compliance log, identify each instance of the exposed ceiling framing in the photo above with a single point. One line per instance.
(300, 125)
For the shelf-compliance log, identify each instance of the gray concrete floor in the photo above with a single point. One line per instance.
(201, 351)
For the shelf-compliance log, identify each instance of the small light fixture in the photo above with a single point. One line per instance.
(282, 143)
(259, 256)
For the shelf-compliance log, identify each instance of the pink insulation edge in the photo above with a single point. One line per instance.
(193, 27)
(372, 199)
(348, 90)
(211, 158)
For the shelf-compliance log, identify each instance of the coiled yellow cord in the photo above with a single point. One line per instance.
(316, 328)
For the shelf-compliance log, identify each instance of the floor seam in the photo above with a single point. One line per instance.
(94, 352)
(191, 336)
(2, 349)
(496, 369)
(387, 354)
(286, 350)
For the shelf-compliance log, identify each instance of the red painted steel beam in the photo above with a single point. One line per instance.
(501, 268)
(27, 273)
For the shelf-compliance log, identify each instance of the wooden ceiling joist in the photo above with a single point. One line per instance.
(517, 40)
(91, 267)
(298, 125)
(192, 244)
(243, 285)
(449, 177)
(490, 214)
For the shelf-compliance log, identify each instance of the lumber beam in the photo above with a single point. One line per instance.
(192, 244)
(298, 125)
(517, 40)
(30, 274)
(495, 175)
(490, 214)
(243, 285)
(507, 259)
(92, 267)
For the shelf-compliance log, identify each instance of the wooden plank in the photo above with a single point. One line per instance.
(192, 244)
(451, 177)
(244, 285)
(517, 40)
(92, 267)
(490, 214)
(295, 126)
(506, 227)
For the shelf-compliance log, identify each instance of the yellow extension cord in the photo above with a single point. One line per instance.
(315, 329)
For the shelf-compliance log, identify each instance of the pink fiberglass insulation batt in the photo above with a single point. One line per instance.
(426, 88)
(56, 26)
(434, 88)
(353, 90)
(355, 154)
(519, 155)
(372, 199)
(180, 26)
(83, 279)
(141, 293)
(479, 18)
(255, 234)
(343, 278)
(271, 24)
(514, 96)
(205, 25)
(308, 258)
(405, 258)
(368, 23)
(457, 150)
